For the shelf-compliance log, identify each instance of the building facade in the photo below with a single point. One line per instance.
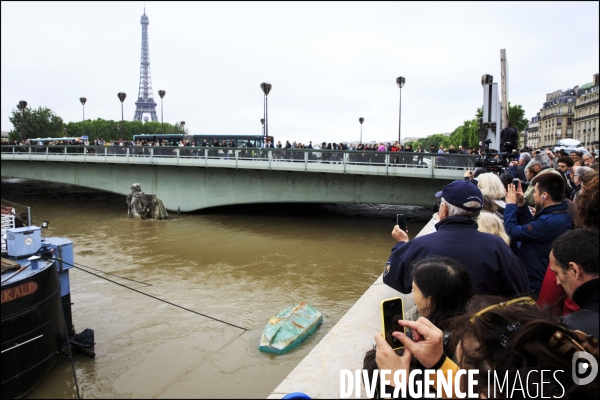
(530, 137)
(556, 117)
(586, 115)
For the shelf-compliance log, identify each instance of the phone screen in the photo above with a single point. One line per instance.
(393, 311)
(401, 221)
(516, 182)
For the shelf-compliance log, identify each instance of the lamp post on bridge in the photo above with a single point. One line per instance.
(400, 81)
(266, 88)
(21, 107)
(122, 96)
(83, 100)
(183, 127)
(162, 93)
(262, 121)
(361, 120)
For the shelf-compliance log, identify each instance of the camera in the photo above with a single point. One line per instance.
(491, 160)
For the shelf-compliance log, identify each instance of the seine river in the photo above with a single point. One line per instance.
(237, 264)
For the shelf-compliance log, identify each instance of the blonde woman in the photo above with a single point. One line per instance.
(490, 185)
(488, 222)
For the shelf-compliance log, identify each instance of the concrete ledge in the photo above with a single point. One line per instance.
(344, 346)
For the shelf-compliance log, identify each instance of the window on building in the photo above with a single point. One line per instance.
(569, 121)
(559, 110)
(570, 110)
(559, 121)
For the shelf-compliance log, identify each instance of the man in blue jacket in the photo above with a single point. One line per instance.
(491, 264)
(536, 233)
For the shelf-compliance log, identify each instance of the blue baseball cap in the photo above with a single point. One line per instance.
(458, 193)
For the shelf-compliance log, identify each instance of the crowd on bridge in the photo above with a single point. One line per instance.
(507, 282)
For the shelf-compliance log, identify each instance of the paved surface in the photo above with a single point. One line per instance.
(344, 346)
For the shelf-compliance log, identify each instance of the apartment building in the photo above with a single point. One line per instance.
(530, 137)
(556, 117)
(586, 114)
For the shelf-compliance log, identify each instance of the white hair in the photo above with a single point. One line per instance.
(490, 185)
(542, 159)
(490, 223)
(453, 210)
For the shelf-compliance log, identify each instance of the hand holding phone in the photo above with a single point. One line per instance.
(392, 311)
(401, 221)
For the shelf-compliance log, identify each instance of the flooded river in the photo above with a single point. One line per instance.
(238, 265)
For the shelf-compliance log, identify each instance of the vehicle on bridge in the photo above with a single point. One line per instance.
(172, 139)
(55, 140)
(197, 139)
(238, 140)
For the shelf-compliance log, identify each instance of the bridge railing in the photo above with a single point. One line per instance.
(303, 156)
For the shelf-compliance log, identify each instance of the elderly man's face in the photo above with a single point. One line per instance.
(587, 159)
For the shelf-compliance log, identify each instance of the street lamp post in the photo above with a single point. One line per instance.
(266, 88)
(400, 81)
(83, 101)
(122, 96)
(21, 107)
(262, 121)
(162, 93)
(361, 120)
(183, 126)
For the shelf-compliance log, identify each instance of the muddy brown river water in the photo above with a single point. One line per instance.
(237, 264)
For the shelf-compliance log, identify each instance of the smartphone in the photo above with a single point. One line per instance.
(516, 182)
(392, 310)
(401, 221)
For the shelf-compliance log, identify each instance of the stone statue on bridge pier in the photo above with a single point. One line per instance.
(144, 206)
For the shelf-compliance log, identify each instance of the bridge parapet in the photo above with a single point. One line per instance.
(188, 179)
(423, 165)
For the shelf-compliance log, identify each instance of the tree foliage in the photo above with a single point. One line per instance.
(516, 115)
(467, 135)
(114, 130)
(35, 123)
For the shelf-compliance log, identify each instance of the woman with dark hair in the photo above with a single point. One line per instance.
(441, 288)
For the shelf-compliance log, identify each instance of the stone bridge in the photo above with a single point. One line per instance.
(188, 178)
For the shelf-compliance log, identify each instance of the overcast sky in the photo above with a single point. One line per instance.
(329, 63)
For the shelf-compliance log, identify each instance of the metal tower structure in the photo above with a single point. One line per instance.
(145, 102)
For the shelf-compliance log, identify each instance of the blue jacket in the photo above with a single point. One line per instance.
(491, 264)
(536, 234)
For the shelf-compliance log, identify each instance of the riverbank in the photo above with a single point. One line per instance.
(344, 346)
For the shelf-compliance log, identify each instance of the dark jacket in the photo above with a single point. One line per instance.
(509, 137)
(586, 319)
(536, 234)
(491, 264)
(520, 172)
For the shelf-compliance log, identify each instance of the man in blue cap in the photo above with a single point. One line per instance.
(491, 264)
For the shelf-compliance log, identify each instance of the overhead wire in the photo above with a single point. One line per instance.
(149, 295)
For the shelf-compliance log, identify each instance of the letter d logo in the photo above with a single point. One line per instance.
(584, 368)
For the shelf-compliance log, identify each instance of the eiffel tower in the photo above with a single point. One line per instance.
(145, 102)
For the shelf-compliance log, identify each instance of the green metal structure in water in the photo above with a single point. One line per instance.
(289, 328)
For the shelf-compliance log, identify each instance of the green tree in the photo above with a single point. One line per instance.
(36, 123)
(516, 115)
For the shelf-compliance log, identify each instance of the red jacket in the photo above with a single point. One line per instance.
(554, 295)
